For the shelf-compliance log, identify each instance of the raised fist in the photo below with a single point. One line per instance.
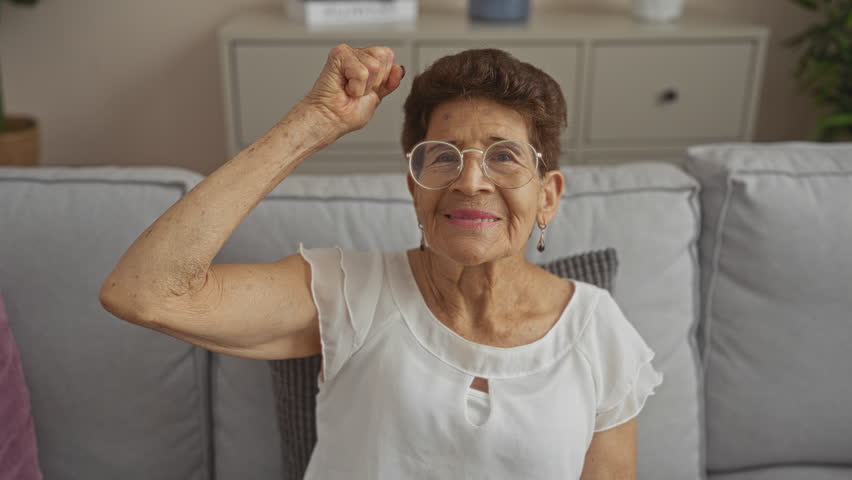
(353, 83)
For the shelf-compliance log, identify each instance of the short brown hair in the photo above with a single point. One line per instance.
(495, 75)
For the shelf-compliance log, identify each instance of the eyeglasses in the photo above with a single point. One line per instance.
(508, 163)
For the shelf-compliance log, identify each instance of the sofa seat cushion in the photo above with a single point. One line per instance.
(788, 472)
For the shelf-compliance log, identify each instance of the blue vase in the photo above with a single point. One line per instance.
(499, 10)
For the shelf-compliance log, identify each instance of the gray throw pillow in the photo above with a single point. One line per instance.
(295, 380)
(597, 267)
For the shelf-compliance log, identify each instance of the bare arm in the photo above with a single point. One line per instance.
(612, 454)
(166, 281)
(171, 257)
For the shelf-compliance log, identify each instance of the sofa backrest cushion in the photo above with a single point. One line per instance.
(648, 211)
(109, 399)
(776, 258)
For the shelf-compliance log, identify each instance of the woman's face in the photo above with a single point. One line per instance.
(449, 215)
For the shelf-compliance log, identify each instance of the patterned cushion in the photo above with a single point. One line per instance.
(18, 446)
(597, 267)
(295, 380)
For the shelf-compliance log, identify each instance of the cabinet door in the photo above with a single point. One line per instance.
(559, 60)
(669, 93)
(271, 77)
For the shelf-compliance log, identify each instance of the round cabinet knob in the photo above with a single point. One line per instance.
(669, 95)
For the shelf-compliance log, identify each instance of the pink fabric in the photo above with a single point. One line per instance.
(18, 448)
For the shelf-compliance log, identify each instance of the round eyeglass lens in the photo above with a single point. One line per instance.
(510, 164)
(435, 164)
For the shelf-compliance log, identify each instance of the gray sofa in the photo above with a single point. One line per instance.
(736, 269)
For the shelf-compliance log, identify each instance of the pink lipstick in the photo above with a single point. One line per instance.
(469, 218)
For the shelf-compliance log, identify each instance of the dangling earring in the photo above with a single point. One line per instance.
(540, 246)
(422, 240)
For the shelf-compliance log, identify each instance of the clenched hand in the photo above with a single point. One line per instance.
(352, 84)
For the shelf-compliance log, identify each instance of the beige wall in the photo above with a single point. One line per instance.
(137, 82)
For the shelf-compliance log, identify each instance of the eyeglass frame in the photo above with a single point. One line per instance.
(538, 156)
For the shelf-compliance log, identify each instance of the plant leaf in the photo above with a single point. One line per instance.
(809, 4)
(812, 33)
(838, 120)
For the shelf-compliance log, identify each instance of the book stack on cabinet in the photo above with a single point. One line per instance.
(635, 91)
(319, 13)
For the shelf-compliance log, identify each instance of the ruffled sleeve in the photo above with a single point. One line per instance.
(620, 361)
(345, 286)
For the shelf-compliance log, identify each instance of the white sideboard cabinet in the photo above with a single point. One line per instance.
(634, 91)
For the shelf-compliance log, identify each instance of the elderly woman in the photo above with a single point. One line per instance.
(456, 359)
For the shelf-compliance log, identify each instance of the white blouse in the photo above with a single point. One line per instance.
(395, 400)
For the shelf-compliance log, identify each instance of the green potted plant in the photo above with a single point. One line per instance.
(18, 134)
(825, 67)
